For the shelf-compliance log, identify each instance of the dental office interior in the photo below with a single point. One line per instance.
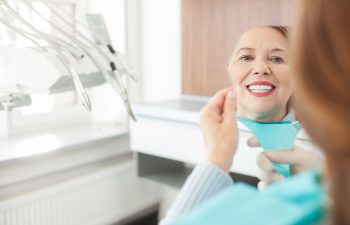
(100, 101)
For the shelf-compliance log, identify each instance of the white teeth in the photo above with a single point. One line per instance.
(260, 88)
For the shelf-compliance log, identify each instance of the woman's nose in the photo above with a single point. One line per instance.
(261, 67)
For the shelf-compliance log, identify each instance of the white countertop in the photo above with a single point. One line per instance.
(59, 138)
(185, 109)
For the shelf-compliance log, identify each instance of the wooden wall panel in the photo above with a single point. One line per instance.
(210, 29)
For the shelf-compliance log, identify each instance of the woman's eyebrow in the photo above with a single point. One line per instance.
(244, 48)
(278, 50)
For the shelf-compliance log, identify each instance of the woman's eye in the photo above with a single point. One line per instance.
(277, 59)
(246, 58)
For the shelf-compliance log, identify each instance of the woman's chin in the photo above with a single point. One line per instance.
(257, 112)
(262, 109)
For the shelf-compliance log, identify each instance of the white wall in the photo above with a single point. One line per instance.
(154, 42)
(162, 49)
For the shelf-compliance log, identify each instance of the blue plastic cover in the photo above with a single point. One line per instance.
(298, 200)
(274, 135)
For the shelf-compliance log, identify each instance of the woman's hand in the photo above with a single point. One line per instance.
(300, 160)
(219, 127)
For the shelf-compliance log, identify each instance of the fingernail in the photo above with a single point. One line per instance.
(232, 94)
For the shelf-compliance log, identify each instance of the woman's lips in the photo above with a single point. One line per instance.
(260, 88)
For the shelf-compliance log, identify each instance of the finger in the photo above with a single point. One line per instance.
(282, 156)
(253, 142)
(230, 108)
(213, 109)
(218, 100)
(275, 177)
(270, 178)
(207, 113)
(264, 163)
(267, 172)
(264, 176)
(262, 185)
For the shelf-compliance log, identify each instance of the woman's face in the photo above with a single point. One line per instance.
(260, 74)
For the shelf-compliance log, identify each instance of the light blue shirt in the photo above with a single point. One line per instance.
(204, 183)
(298, 200)
(208, 197)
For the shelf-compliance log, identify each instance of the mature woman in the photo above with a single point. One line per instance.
(262, 81)
(260, 74)
(322, 74)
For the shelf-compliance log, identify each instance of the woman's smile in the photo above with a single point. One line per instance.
(260, 88)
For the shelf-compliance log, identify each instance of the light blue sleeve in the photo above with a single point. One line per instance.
(206, 181)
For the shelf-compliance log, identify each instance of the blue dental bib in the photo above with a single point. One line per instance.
(274, 136)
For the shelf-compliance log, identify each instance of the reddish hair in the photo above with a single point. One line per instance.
(321, 62)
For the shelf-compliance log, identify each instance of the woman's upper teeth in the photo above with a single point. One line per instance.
(260, 88)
